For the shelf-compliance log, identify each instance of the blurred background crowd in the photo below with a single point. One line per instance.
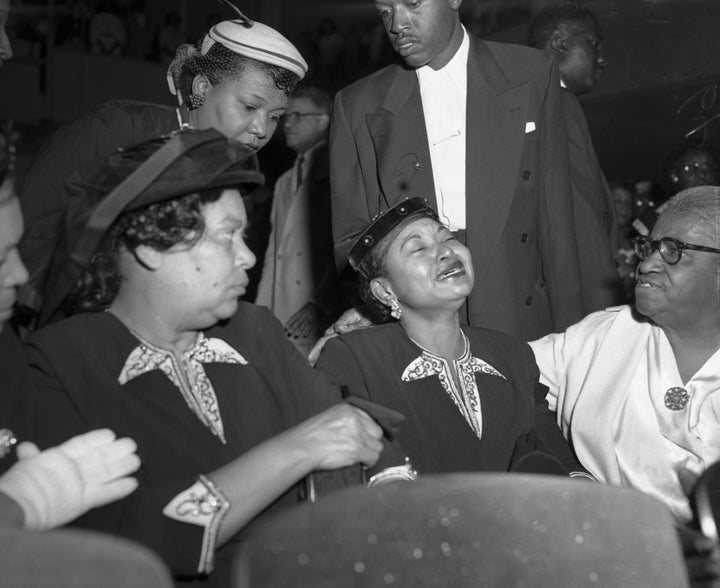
(658, 93)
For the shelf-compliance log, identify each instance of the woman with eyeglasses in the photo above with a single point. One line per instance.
(637, 389)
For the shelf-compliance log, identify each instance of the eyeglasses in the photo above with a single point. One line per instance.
(294, 117)
(694, 166)
(670, 249)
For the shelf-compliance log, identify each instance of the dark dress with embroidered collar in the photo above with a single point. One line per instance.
(472, 424)
(240, 384)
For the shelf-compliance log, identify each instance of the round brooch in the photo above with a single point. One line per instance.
(676, 398)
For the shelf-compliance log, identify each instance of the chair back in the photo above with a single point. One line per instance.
(455, 530)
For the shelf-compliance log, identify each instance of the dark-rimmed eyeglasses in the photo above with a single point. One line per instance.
(670, 249)
(294, 117)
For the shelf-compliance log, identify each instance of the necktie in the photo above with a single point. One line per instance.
(298, 177)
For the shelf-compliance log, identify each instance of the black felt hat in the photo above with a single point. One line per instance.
(165, 168)
(384, 223)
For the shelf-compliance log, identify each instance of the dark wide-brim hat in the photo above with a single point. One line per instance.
(384, 223)
(168, 167)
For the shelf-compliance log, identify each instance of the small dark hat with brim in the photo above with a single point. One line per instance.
(383, 224)
(169, 167)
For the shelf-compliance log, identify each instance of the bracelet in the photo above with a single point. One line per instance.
(583, 475)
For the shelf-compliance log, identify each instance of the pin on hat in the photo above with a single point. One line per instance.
(384, 223)
(254, 40)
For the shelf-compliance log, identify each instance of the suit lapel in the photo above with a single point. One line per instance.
(493, 154)
(397, 131)
(496, 117)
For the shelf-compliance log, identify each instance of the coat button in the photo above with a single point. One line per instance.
(604, 215)
(524, 238)
(528, 301)
(526, 174)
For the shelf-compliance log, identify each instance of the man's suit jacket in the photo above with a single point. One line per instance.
(520, 223)
(299, 266)
(594, 215)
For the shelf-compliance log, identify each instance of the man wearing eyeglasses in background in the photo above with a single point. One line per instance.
(689, 165)
(299, 281)
(637, 390)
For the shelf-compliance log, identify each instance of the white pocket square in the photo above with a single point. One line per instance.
(529, 127)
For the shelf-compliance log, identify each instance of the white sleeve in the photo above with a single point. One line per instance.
(551, 362)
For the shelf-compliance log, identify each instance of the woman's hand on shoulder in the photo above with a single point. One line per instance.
(340, 436)
(350, 320)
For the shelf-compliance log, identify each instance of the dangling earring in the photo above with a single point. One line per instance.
(395, 310)
(195, 101)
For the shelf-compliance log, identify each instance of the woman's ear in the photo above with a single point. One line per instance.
(382, 290)
(148, 257)
(201, 85)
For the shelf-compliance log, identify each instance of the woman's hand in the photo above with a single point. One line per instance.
(338, 437)
(304, 323)
(57, 485)
(350, 320)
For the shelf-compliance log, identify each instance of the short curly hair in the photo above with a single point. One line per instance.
(161, 226)
(221, 64)
(702, 202)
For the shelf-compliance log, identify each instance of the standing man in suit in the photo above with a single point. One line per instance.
(571, 34)
(477, 128)
(299, 282)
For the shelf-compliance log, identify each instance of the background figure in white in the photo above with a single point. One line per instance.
(299, 282)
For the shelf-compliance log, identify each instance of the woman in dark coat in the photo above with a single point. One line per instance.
(471, 396)
(159, 348)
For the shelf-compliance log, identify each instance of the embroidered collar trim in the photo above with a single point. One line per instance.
(187, 373)
(464, 393)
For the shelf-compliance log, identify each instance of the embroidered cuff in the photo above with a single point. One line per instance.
(205, 505)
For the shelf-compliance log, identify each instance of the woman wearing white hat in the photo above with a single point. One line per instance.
(238, 80)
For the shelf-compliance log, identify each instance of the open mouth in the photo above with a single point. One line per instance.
(454, 270)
